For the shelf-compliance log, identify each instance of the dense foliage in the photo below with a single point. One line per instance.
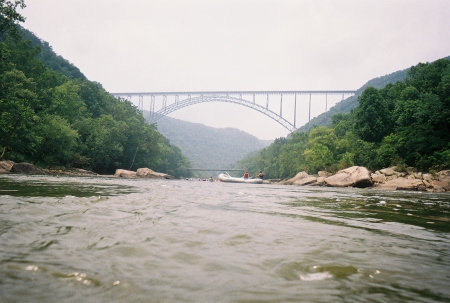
(406, 123)
(51, 115)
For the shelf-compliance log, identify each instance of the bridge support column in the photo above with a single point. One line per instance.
(295, 111)
(152, 107)
(309, 115)
(281, 105)
(141, 103)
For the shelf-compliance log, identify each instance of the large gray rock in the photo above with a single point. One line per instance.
(440, 182)
(297, 177)
(26, 168)
(324, 174)
(402, 184)
(5, 166)
(306, 181)
(123, 173)
(148, 173)
(378, 178)
(388, 171)
(355, 176)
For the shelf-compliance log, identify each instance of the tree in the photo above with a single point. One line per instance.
(55, 141)
(16, 95)
(372, 117)
(9, 16)
(67, 103)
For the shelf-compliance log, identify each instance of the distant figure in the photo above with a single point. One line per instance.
(246, 175)
(261, 174)
(211, 179)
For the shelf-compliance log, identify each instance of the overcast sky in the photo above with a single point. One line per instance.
(211, 45)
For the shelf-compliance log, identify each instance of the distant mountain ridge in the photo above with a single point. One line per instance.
(209, 147)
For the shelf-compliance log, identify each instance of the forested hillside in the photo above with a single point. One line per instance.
(50, 115)
(209, 147)
(346, 105)
(406, 123)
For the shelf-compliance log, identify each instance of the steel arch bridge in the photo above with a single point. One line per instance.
(235, 97)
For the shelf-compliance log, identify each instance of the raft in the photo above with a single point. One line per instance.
(227, 178)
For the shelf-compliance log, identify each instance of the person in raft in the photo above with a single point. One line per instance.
(260, 175)
(246, 175)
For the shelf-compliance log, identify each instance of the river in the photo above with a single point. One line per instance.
(74, 239)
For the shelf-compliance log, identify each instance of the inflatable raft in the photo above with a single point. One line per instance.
(227, 178)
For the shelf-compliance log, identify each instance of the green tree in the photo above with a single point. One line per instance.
(104, 139)
(16, 95)
(9, 16)
(372, 116)
(318, 157)
(67, 103)
(55, 141)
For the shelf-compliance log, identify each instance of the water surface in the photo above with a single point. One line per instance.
(67, 239)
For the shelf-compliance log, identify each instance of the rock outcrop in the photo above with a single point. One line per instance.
(123, 173)
(148, 173)
(355, 176)
(308, 180)
(385, 179)
(402, 184)
(142, 173)
(297, 177)
(5, 166)
(26, 168)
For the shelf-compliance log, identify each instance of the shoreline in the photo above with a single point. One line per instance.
(356, 176)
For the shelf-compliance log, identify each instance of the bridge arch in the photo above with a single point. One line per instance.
(229, 99)
(190, 98)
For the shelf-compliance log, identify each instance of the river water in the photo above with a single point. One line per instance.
(71, 239)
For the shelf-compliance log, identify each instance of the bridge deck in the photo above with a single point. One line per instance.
(272, 92)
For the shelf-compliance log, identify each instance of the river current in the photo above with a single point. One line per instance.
(73, 239)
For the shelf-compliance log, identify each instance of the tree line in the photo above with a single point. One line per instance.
(406, 123)
(51, 115)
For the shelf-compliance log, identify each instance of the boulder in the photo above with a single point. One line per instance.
(309, 180)
(26, 168)
(5, 166)
(123, 173)
(389, 171)
(378, 178)
(320, 181)
(324, 174)
(402, 184)
(356, 176)
(148, 173)
(440, 183)
(297, 177)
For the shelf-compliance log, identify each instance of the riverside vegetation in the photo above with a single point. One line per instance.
(51, 115)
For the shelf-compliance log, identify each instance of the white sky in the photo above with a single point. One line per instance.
(219, 45)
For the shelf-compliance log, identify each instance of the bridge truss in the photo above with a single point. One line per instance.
(164, 103)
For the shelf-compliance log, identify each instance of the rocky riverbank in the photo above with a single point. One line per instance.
(357, 176)
(27, 168)
(384, 179)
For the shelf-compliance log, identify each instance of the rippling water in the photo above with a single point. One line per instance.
(112, 240)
